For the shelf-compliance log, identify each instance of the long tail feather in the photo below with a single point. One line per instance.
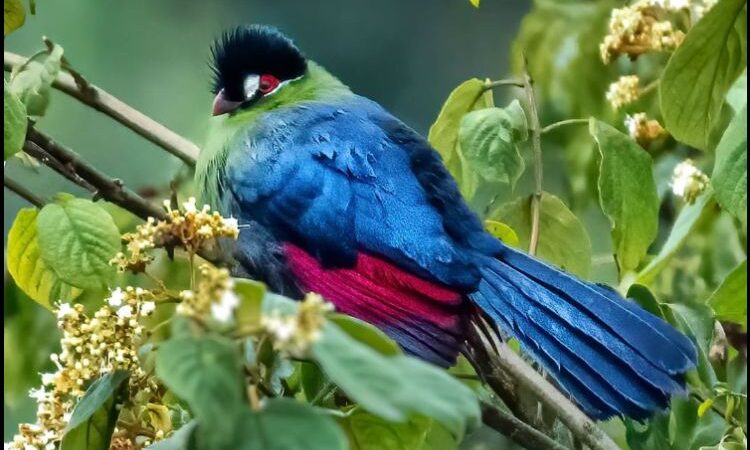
(610, 355)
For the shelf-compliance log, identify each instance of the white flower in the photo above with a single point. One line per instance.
(284, 330)
(64, 310)
(230, 223)
(229, 299)
(48, 378)
(688, 181)
(125, 312)
(39, 395)
(189, 205)
(631, 123)
(223, 310)
(221, 313)
(147, 308)
(116, 297)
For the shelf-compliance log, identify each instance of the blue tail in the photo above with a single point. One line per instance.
(611, 356)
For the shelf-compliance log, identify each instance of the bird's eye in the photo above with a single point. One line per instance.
(267, 84)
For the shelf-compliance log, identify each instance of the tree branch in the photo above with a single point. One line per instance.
(516, 430)
(536, 142)
(68, 163)
(579, 424)
(77, 87)
(22, 192)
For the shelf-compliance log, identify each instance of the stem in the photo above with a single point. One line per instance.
(110, 105)
(524, 375)
(252, 393)
(498, 83)
(563, 123)
(516, 430)
(72, 166)
(650, 87)
(22, 192)
(536, 141)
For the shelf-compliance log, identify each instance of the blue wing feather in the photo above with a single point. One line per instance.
(336, 179)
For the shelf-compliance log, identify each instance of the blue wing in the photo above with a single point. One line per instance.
(341, 178)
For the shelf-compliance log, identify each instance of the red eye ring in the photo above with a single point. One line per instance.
(268, 83)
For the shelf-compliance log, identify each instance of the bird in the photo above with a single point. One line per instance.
(335, 195)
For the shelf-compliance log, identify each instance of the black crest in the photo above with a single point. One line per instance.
(253, 49)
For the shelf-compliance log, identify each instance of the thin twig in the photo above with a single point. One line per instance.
(536, 142)
(516, 430)
(110, 105)
(563, 123)
(569, 414)
(497, 83)
(103, 186)
(16, 188)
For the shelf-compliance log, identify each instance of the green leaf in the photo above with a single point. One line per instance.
(366, 334)
(737, 95)
(729, 178)
(96, 395)
(77, 239)
(368, 432)
(284, 424)
(701, 71)
(181, 439)
(32, 84)
(251, 295)
(627, 194)
(468, 96)
(395, 388)
(206, 373)
(489, 140)
(563, 240)
(697, 321)
(502, 232)
(15, 122)
(24, 359)
(13, 16)
(686, 222)
(95, 416)
(25, 264)
(474, 3)
(729, 301)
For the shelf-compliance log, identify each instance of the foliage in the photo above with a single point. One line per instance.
(184, 356)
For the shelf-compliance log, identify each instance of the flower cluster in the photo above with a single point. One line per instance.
(624, 91)
(91, 347)
(640, 28)
(688, 181)
(214, 296)
(643, 129)
(189, 227)
(295, 333)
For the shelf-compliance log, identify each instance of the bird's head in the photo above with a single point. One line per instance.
(251, 63)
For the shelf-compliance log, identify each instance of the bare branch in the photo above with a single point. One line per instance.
(68, 163)
(22, 192)
(582, 427)
(516, 430)
(77, 87)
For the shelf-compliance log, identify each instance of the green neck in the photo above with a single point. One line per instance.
(316, 84)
